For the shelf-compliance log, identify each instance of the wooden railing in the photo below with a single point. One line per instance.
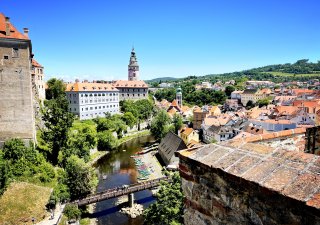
(119, 191)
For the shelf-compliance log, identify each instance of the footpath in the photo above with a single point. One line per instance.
(57, 215)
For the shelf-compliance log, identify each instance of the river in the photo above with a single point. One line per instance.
(120, 169)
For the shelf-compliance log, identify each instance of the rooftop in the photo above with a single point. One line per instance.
(90, 87)
(14, 33)
(130, 84)
(290, 173)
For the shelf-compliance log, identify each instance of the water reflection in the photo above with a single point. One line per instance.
(118, 168)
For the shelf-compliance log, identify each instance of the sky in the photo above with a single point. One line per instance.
(93, 39)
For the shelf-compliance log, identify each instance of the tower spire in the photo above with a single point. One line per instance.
(133, 67)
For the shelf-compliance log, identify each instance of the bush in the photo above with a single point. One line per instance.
(71, 211)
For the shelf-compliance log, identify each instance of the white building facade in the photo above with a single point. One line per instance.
(91, 100)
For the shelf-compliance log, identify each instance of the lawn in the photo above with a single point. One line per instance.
(22, 201)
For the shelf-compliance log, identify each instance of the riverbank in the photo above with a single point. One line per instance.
(137, 134)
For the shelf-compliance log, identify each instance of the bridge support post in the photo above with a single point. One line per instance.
(131, 200)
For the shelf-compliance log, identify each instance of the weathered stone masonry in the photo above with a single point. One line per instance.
(16, 109)
(232, 185)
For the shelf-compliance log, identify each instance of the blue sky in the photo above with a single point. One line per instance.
(93, 39)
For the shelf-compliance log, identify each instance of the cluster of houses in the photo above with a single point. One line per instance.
(288, 109)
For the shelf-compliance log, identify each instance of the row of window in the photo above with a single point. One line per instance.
(133, 90)
(96, 114)
(95, 108)
(133, 95)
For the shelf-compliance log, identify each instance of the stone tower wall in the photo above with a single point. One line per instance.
(16, 108)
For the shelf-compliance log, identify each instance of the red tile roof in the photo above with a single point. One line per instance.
(14, 33)
(36, 64)
(90, 87)
(130, 84)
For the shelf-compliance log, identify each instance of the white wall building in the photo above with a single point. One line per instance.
(91, 100)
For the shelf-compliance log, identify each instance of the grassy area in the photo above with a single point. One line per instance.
(135, 135)
(22, 201)
(292, 75)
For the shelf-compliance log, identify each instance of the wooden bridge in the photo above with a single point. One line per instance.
(119, 191)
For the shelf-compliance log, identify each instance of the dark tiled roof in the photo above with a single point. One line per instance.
(290, 173)
(169, 145)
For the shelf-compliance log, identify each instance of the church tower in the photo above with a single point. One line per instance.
(179, 97)
(133, 67)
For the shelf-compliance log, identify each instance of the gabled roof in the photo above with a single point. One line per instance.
(187, 131)
(14, 33)
(90, 87)
(36, 64)
(130, 84)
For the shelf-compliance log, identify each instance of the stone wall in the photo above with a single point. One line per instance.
(264, 191)
(16, 108)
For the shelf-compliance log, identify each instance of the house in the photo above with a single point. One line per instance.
(231, 104)
(168, 146)
(188, 134)
(274, 124)
(91, 100)
(254, 95)
(236, 95)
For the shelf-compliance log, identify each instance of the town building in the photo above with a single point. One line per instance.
(37, 78)
(16, 111)
(189, 135)
(236, 95)
(253, 95)
(131, 90)
(259, 83)
(91, 100)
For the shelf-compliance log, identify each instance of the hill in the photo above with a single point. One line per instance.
(302, 70)
(162, 79)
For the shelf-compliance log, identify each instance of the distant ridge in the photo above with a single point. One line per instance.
(162, 79)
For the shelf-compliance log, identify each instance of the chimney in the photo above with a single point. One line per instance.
(26, 32)
(77, 81)
(7, 26)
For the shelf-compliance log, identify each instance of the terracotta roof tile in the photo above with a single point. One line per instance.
(36, 64)
(90, 87)
(14, 33)
(130, 84)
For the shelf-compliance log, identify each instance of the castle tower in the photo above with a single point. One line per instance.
(179, 97)
(133, 67)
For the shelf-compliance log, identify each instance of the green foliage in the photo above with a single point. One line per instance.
(81, 138)
(57, 120)
(4, 173)
(192, 96)
(177, 123)
(129, 119)
(166, 93)
(229, 90)
(263, 102)
(140, 109)
(56, 89)
(160, 125)
(71, 211)
(79, 178)
(18, 161)
(169, 206)
(106, 141)
(249, 104)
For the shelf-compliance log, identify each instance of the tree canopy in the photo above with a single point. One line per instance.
(160, 125)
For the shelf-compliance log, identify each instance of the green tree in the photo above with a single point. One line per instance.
(4, 174)
(177, 123)
(263, 102)
(129, 119)
(160, 125)
(106, 140)
(56, 89)
(57, 120)
(229, 90)
(71, 211)
(168, 209)
(249, 104)
(80, 178)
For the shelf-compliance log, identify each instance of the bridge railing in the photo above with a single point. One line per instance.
(119, 191)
